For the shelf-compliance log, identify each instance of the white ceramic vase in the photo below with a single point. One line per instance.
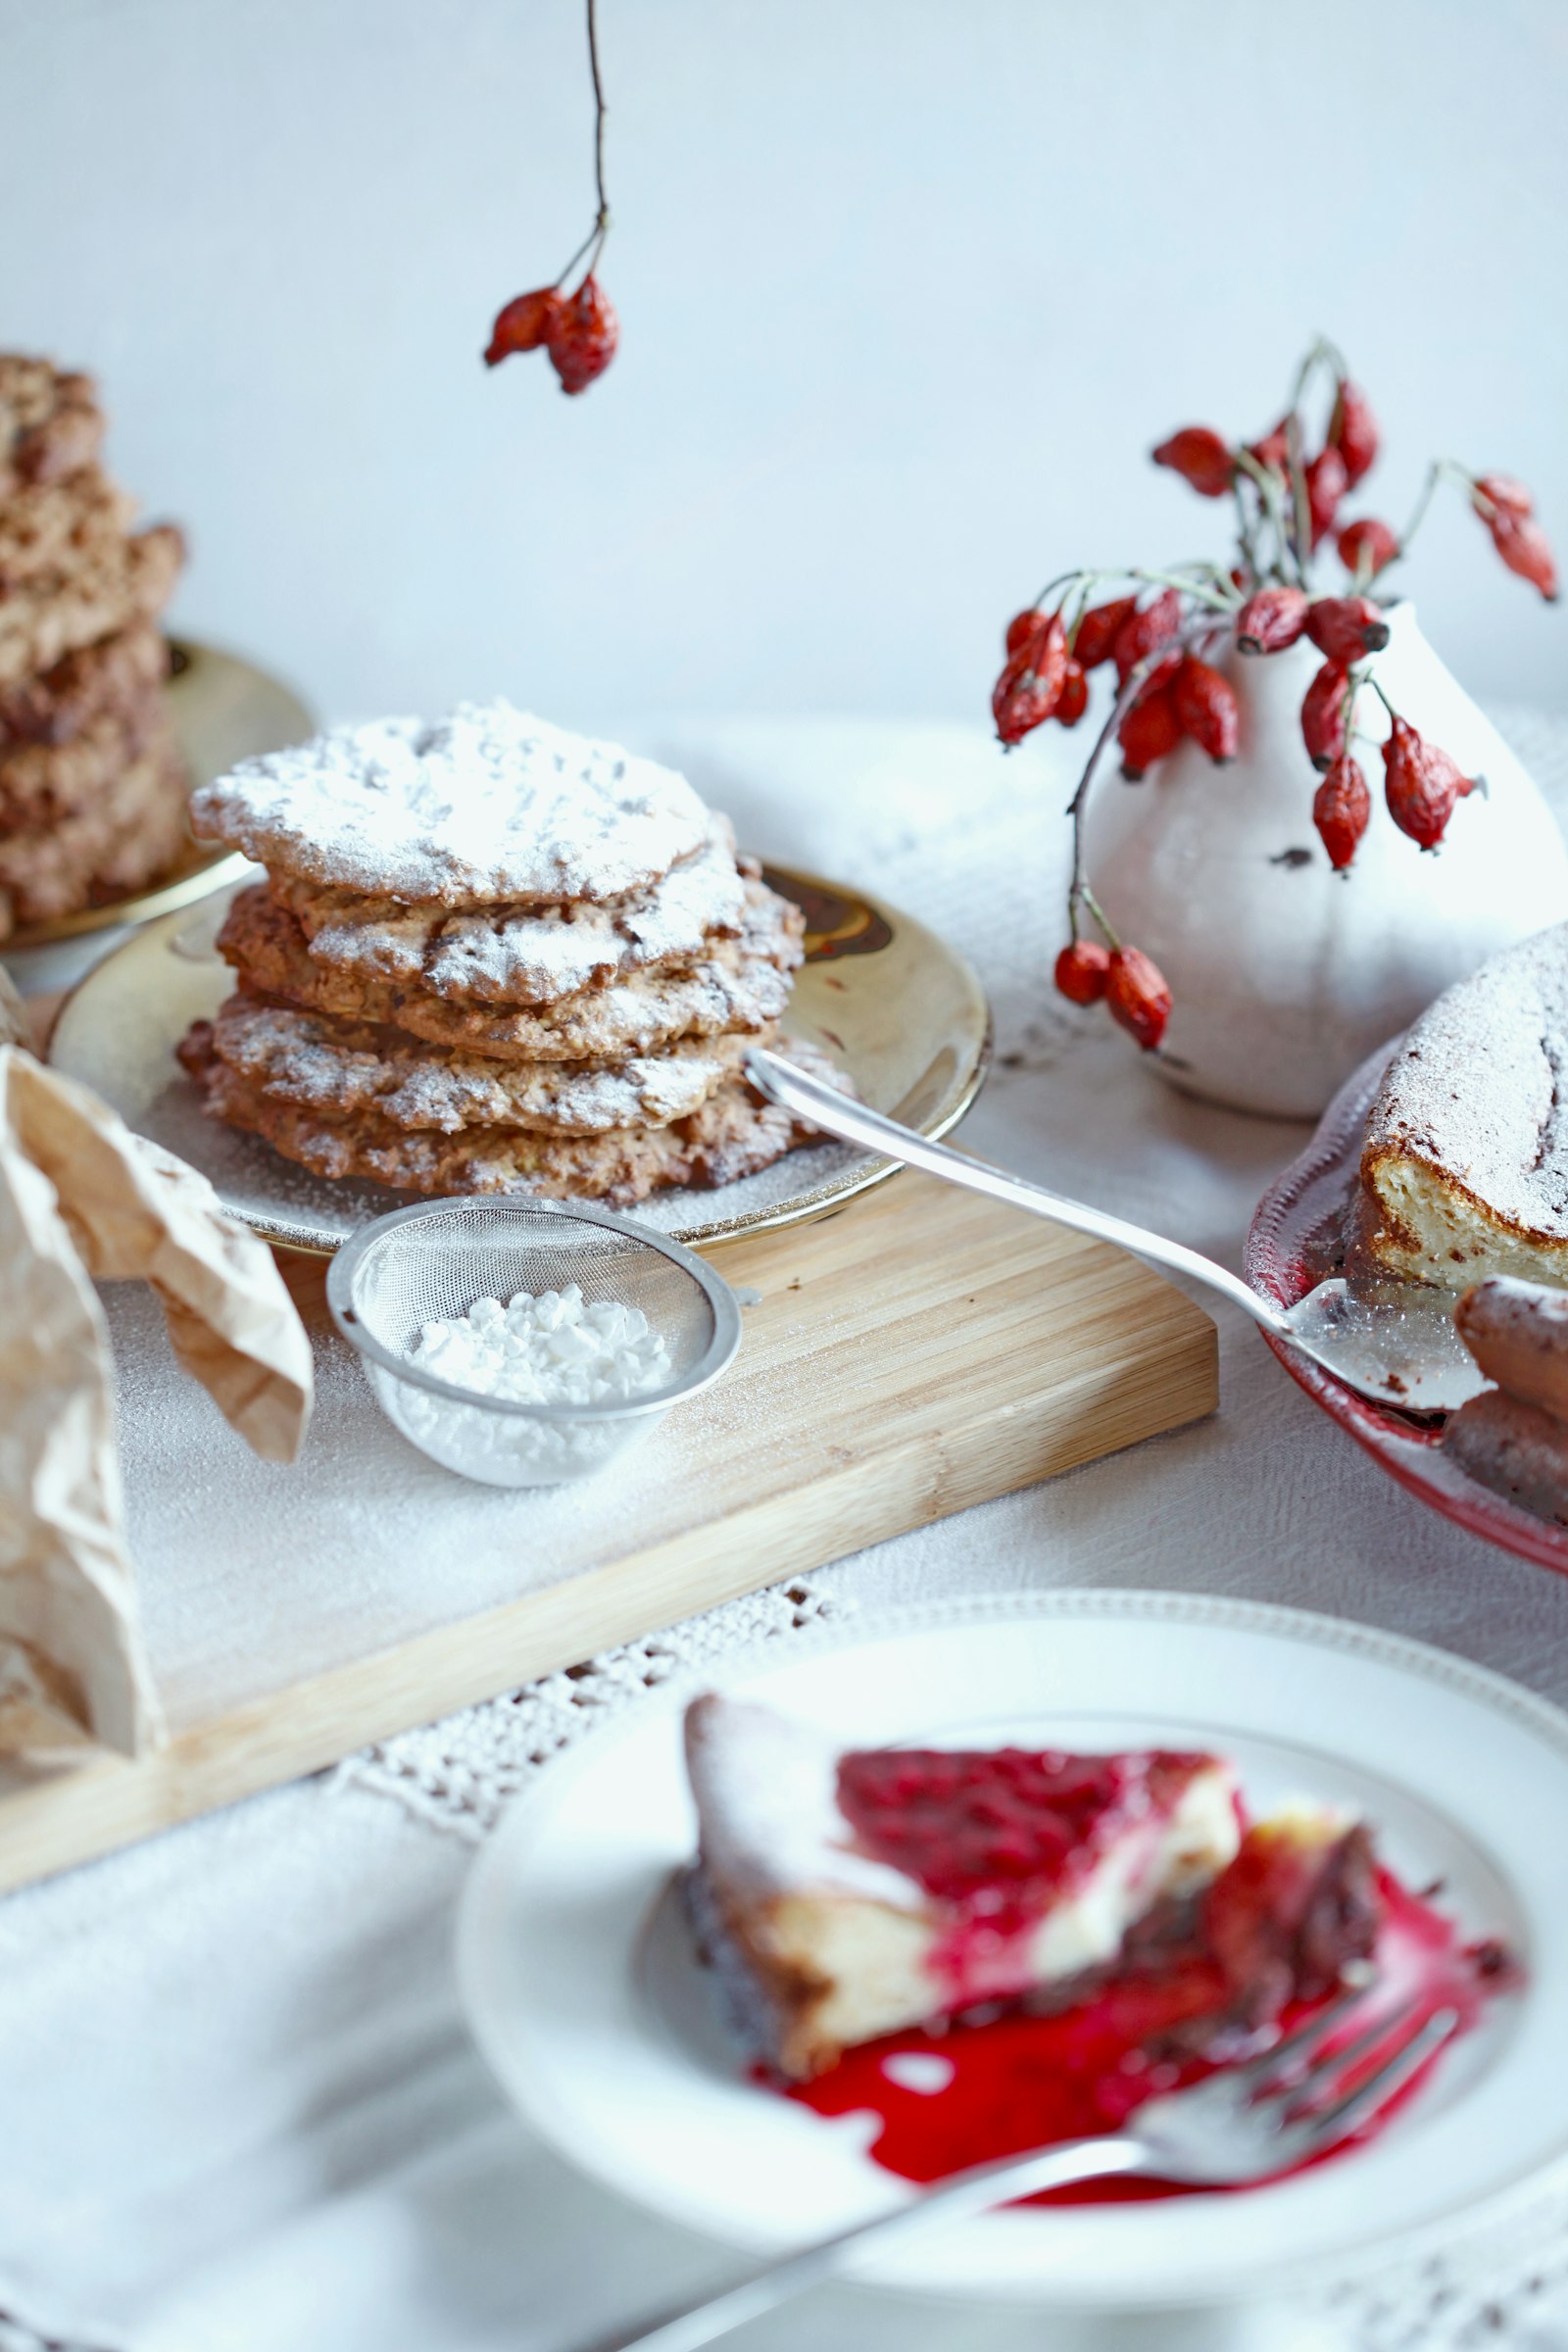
(1285, 974)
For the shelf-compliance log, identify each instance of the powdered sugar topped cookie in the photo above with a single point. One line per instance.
(488, 805)
(740, 985)
(527, 955)
(733, 1134)
(344, 1068)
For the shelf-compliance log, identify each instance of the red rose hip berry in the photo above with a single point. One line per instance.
(1421, 784)
(1525, 547)
(1502, 490)
(1326, 484)
(1150, 730)
(582, 341)
(1205, 703)
(1345, 627)
(1365, 547)
(1200, 456)
(1354, 433)
(526, 324)
(1026, 633)
(1136, 991)
(1025, 694)
(1073, 699)
(1082, 970)
(1096, 631)
(1342, 810)
(1021, 701)
(1272, 619)
(1323, 714)
(1273, 451)
(1143, 633)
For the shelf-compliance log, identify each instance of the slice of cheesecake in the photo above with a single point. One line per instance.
(844, 1893)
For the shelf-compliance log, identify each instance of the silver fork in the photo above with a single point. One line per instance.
(1242, 2123)
(1396, 1343)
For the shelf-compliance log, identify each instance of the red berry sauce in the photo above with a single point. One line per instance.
(983, 2089)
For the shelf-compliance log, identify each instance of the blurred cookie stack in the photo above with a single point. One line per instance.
(491, 955)
(92, 788)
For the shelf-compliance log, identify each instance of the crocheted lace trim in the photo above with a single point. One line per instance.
(458, 1773)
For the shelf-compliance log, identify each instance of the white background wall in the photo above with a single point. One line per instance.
(907, 288)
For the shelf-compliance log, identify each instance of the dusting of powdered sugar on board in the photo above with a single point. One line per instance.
(489, 803)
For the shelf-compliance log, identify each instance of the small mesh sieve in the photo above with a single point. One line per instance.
(439, 1258)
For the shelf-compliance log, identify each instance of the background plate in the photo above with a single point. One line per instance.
(893, 1004)
(590, 2010)
(224, 709)
(1292, 1229)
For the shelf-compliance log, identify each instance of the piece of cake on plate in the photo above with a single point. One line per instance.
(846, 1894)
(1464, 1169)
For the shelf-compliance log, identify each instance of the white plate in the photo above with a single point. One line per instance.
(583, 1992)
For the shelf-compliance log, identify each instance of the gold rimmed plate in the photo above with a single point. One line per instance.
(893, 1004)
(224, 709)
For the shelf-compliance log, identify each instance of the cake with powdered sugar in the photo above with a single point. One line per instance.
(847, 1893)
(491, 955)
(1464, 1166)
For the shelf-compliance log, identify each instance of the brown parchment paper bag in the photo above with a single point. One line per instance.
(80, 1195)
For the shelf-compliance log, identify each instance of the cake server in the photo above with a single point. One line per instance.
(1247, 2122)
(1395, 1344)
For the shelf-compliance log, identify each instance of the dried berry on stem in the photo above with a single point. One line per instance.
(1082, 970)
(1168, 646)
(1208, 708)
(1136, 991)
(1341, 811)
(579, 329)
(1199, 455)
(1326, 714)
(1420, 783)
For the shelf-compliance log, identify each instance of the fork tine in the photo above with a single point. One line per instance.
(1335, 2063)
(1258, 2073)
(1358, 2105)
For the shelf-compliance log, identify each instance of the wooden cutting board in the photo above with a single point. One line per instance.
(919, 1352)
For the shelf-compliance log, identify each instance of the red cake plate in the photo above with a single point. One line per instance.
(1288, 1249)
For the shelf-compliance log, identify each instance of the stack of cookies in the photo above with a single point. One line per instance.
(92, 791)
(491, 955)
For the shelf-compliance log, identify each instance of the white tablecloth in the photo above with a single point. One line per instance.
(238, 2110)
